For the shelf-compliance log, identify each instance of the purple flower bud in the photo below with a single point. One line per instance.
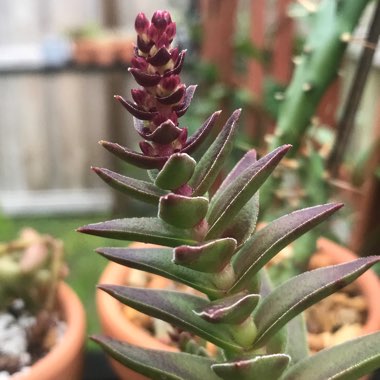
(169, 84)
(141, 23)
(161, 19)
(153, 33)
(139, 63)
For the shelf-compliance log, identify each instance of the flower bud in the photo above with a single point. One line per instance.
(141, 23)
(161, 19)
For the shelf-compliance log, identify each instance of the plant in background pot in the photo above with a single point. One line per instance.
(41, 319)
(209, 242)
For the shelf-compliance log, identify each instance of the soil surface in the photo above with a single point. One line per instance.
(25, 338)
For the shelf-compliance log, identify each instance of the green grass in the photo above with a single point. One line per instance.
(85, 266)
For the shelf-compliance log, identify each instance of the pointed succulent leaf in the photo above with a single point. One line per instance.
(158, 364)
(210, 257)
(183, 107)
(297, 346)
(212, 161)
(244, 163)
(176, 308)
(177, 171)
(165, 133)
(196, 140)
(233, 309)
(260, 367)
(135, 110)
(159, 261)
(141, 190)
(181, 211)
(145, 230)
(241, 190)
(297, 294)
(134, 158)
(270, 240)
(243, 224)
(347, 361)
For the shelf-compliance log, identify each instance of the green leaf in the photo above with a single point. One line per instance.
(145, 230)
(177, 171)
(297, 294)
(141, 190)
(158, 364)
(265, 367)
(176, 308)
(181, 211)
(270, 240)
(212, 161)
(347, 361)
(233, 309)
(241, 190)
(210, 257)
(297, 346)
(159, 261)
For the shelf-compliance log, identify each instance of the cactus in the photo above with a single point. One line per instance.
(211, 243)
(331, 24)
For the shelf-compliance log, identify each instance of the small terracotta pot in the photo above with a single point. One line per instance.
(65, 360)
(368, 283)
(115, 324)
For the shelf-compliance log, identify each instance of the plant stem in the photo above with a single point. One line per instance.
(346, 123)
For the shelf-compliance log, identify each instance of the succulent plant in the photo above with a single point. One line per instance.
(211, 243)
(30, 269)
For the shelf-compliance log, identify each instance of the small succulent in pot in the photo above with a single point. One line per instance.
(31, 267)
(211, 243)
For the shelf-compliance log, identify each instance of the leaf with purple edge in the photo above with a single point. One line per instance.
(135, 110)
(145, 230)
(267, 242)
(134, 158)
(141, 190)
(233, 309)
(178, 65)
(161, 58)
(210, 257)
(158, 364)
(302, 291)
(261, 367)
(145, 79)
(182, 211)
(176, 308)
(174, 97)
(165, 133)
(159, 261)
(209, 166)
(347, 361)
(241, 190)
(177, 171)
(181, 109)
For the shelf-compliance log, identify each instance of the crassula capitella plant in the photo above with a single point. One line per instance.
(211, 244)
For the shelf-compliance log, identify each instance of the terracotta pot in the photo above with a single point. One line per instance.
(368, 282)
(65, 360)
(115, 324)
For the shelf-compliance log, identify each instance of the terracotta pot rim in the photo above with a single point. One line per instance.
(71, 343)
(368, 282)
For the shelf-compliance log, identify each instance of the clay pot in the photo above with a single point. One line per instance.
(368, 283)
(115, 324)
(65, 360)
